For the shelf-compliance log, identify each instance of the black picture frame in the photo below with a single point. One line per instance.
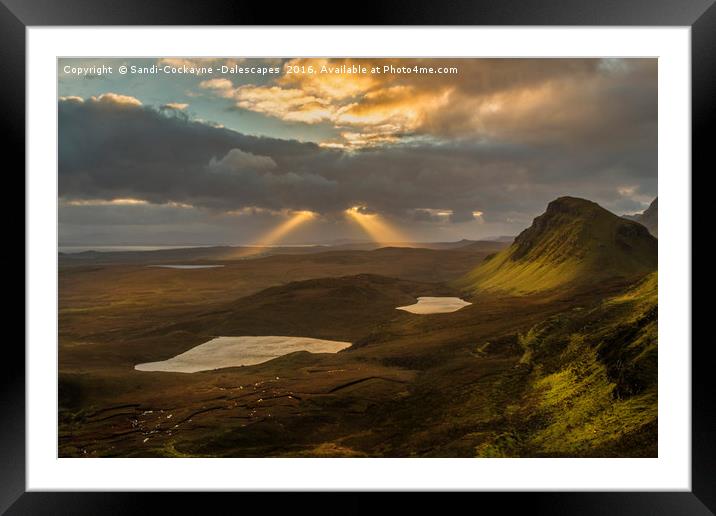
(17, 15)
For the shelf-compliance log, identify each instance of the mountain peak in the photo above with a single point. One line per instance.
(567, 216)
(571, 204)
(649, 217)
(575, 241)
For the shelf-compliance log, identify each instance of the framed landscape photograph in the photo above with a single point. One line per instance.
(343, 257)
(365, 258)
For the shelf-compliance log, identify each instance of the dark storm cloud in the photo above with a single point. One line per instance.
(590, 102)
(420, 215)
(462, 216)
(586, 129)
(127, 215)
(110, 150)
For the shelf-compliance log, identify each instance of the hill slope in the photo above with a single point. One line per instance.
(574, 243)
(343, 308)
(592, 385)
(649, 218)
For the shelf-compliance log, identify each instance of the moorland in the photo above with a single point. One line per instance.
(554, 356)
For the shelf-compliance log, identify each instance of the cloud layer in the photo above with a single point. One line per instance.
(500, 140)
(523, 100)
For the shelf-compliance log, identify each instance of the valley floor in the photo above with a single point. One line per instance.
(560, 375)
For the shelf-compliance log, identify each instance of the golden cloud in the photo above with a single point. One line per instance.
(219, 85)
(329, 84)
(71, 98)
(115, 98)
(493, 98)
(290, 104)
(106, 202)
(179, 106)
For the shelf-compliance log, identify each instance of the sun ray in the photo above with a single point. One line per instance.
(278, 233)
(376, 227)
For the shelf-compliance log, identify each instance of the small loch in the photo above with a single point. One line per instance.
(435, 305)
(186, 266)
(223, 352)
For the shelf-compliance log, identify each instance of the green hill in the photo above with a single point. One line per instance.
(591, 390)
(575, 242)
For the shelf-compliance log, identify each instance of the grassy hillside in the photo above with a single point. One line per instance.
(592, 386)
(575, 242)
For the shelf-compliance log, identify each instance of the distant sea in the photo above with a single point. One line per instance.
(110, 248)
(114, 248)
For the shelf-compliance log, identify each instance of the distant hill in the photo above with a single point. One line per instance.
(648, 218)
(574, 243)
(489, 246)
(502, 238)
(342, 308)
(221, 254)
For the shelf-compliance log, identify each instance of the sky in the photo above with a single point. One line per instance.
(188, 151)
